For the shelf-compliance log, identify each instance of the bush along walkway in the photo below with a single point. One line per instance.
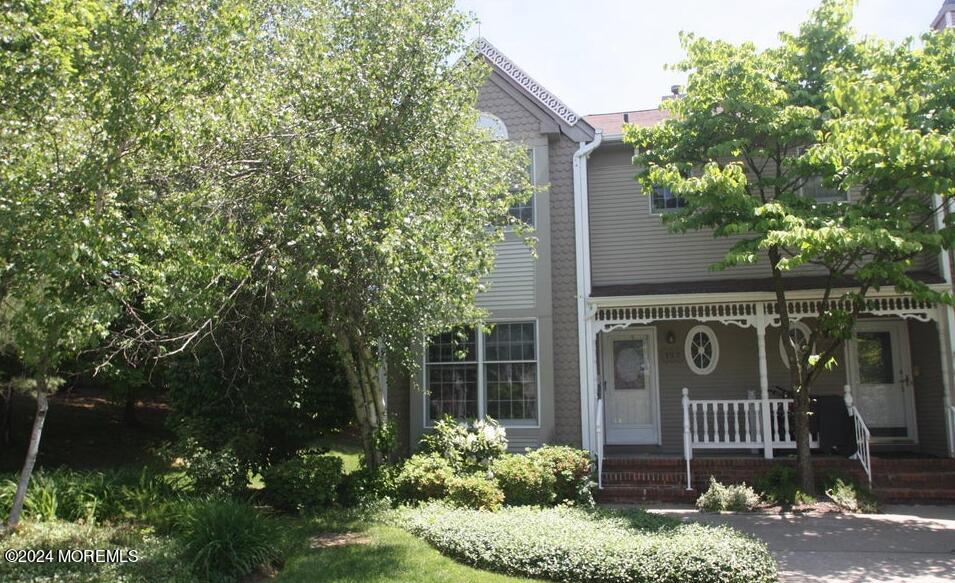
(572, 544)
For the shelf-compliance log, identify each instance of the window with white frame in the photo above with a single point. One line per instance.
(815, 189)
(798, 332)
(663, 200)
(493, 373)
(524, 211)
(702, 350)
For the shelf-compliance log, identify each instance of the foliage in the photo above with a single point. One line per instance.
(779, 486)
(307, 481)
(850, 496)
(423, 477)
(470, 447)
(158, 556)
(474, 491)
(524, 480)
(572, 470)
(94, 496)
(366, 485)
(210, 471)
(571, 544)
(224, 540)
(758, 130)
(263, 390)
(733, 497)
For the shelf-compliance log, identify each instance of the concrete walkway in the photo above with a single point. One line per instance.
(905, 543)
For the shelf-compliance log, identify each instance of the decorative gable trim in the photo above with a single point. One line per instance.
(508, 68)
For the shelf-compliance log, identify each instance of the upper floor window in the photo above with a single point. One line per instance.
(814, 188)
(493, 124)
(524, 211)
(663, 200)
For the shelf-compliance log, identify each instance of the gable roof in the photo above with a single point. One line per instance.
(518, 78)
(611, 124)
(939, 22)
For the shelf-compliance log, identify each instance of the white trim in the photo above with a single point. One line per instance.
(782, 349)
(649, 335)
(480, 363)
(688, 349)
(586, 337)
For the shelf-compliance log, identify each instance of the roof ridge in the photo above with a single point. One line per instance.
(629, 110)
(518, 75)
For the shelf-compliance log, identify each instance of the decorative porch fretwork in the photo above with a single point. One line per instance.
(753, 313)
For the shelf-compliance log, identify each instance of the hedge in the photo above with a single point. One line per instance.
(572, 544)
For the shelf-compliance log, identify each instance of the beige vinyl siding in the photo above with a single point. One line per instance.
(929, 387)
(631, 245)
(511, 284)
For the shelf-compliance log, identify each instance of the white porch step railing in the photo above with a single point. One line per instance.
(736, 424)
(951, 428)
(863, 437)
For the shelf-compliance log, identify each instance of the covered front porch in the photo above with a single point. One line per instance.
(688, 376)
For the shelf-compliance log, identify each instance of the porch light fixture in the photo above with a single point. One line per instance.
(671, 337)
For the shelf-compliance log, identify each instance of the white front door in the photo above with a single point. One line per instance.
(882, 379)
(631, 400)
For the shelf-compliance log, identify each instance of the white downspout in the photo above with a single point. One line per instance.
(946, 327)
(588, 397)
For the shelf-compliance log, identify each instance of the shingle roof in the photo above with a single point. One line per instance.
(611, 124)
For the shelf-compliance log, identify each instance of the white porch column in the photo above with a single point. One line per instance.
(944, 322)
(764, 385)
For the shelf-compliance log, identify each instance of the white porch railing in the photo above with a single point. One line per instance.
(736, 424)
(863, 437)
(951, 427)
(599, 425)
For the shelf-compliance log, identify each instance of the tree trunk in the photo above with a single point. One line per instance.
(6, 418)
(42, 404)
(807, 482)
(129, 408)
(365, 391)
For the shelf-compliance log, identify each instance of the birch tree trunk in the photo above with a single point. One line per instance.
(42, 405)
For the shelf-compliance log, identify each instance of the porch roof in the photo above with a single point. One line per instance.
(735, 285)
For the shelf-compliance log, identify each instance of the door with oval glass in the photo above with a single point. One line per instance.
(631, 396)
(881, 379)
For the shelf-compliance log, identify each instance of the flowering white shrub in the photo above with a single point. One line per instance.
(468, 447)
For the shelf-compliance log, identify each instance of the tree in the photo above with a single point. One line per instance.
(755, 126)
(369, 196)
(102, 101)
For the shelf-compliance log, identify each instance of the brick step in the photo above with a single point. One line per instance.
(883, 465)
(914, 479)
(632, 494)
(915, 495)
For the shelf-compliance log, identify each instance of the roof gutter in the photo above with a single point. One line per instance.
(586, 347)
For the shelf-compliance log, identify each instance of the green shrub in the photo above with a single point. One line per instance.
(211, 472)
(474, 491)
(469, 447)
(734, 497)
(574, 544)
(423, 477)
(572, 472)
(365, 485)
(850, 496)
(224, 540)
(307, 481)
(524, 480)
(778, 485)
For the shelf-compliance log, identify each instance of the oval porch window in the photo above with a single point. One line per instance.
(800, 333)
(702, 350)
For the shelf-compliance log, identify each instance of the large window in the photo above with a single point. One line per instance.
(814, 188)
(663, 200)
(470, 374)
(524, 211)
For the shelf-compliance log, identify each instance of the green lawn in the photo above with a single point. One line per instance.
(392, 555)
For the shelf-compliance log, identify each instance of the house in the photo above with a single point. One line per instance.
(617, 338)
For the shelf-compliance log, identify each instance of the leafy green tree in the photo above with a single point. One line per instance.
(102, 104)
(368, 195)
(756, 126)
